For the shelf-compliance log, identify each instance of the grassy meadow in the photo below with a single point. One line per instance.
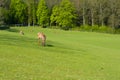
(68, 55)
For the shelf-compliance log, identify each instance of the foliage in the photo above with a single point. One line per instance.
(55, 15)
(63, 14)
(1, 16)
(3, 11)
(117, 31)
(106, 29)
(18, 11)
(96, 28)
(86, 28)
(42, 13)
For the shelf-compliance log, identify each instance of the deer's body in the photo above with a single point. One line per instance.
(41, 37)
(21, 32)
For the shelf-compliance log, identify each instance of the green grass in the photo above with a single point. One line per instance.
(69, 55)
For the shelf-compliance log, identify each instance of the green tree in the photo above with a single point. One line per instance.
(31, 11)
(84, 7)
(1, 16)
(114, 16)
(4, 5)
(63, 14)
(18, 11)
(55, 15)
(42, 13)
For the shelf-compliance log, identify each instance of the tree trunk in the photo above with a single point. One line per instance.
(92, 17)
(34, 11)
(84, 13)
(29, 16)
(84, 16)
(101, 17)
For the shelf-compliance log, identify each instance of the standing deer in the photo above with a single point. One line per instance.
(41, 37)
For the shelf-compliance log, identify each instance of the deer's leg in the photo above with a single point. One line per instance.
(38, 41)
(43, 43)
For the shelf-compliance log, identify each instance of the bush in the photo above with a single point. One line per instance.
(117, 31)
(106, 29)
(103, 29)
(86, 28)
(110, 30)
(75, 28)
(95, 28)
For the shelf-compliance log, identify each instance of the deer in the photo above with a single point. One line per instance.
(41, 38)
(21, 32)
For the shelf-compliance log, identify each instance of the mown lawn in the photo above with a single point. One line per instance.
(68, 55)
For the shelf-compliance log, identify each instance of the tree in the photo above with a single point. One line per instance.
(83, 11)
(114, 16)
(31, 11)
(64, 14)
(34, 8)
(42, 13)
(1, 16)
(85, 7)
(55, 15)
(18, 11)
(4, 5)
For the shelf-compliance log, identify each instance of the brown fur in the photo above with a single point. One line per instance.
(41, 37)
(21, 32)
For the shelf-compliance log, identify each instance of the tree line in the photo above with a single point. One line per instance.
(64, 14)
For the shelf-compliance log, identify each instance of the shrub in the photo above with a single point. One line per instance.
(95, 28)
(86, 28)
(110, 30)
(117, 31)
(103, 29)
(76, 28)
(106, 29)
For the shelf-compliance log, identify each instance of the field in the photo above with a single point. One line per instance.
(68, 55)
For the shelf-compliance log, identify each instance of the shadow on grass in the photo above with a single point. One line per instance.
(13, 30)
(49, 45)
(16, 40)
(22, 41)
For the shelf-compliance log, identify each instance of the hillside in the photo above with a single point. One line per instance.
(68, 55)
